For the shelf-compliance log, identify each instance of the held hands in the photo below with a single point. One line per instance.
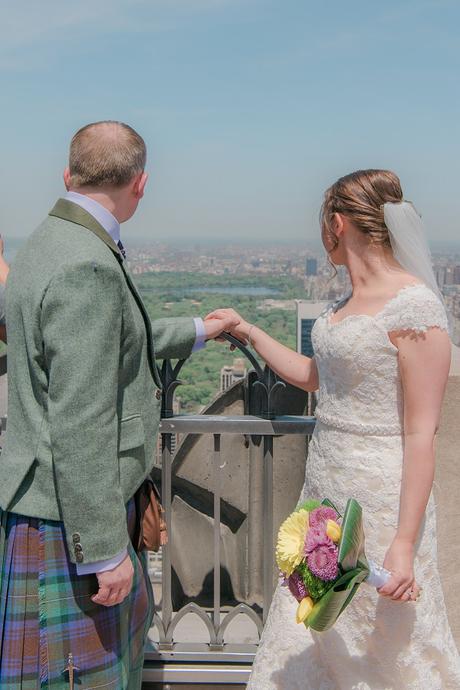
(115, 585)
(399, 560)
(227, 320)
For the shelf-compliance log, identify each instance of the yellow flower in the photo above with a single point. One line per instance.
(304, 610)
(333, 531)
(291, 540)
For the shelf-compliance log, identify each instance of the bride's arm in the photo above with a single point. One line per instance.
(293, 367)
(424, 361)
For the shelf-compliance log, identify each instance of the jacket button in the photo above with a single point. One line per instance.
(78, 548)
(75, 538)
(79, 557)
(158, 394)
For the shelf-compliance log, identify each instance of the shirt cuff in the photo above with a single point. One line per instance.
(101, 566)
(200, 340)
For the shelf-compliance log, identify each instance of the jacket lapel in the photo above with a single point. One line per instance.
(67, 210)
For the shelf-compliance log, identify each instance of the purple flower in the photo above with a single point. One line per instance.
(316, 536)
(297, 586)
(321, 515)
(323, 562)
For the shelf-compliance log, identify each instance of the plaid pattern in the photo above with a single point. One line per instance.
(46, 613)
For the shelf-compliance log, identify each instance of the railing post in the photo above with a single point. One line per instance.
(217, 560)
(256, 508)
(166, 465)
(268, 524)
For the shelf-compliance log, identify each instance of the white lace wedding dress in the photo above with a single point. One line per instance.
(357, 451)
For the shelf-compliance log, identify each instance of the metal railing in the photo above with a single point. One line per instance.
(217, 661)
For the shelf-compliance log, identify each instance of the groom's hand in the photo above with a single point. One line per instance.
(224, 321)
(238, 327)
(115, 585)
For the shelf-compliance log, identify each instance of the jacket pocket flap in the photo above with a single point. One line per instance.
(132, 432)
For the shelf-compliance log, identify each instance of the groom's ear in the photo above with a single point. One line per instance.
(139, 185)
(67, 178)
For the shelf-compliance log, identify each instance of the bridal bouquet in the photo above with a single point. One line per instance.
(322, 558)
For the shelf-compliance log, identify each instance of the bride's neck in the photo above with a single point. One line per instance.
(373, 267)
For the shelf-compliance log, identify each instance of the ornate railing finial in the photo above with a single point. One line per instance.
(262, 388)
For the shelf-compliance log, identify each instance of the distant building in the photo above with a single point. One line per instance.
(230, 374)
(449, 276)
(457, 275)
(311, 267)
(307, 313)
(441, 276)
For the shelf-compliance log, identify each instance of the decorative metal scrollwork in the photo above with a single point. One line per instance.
(168, 375)
(262, 386)
(216, 635)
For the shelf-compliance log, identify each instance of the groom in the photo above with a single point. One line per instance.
(83, 414)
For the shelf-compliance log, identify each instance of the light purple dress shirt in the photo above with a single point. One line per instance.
(112, 226)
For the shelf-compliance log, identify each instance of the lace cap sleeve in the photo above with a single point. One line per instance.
(415, 308)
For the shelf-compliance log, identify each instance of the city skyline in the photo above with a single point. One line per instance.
(250, 108)
(315, 249)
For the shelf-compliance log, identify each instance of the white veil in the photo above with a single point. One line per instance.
(408, 242)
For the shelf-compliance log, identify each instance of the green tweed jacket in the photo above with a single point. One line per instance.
(84, 394)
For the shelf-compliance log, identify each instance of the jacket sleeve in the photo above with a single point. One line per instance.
(81, 326)
(173, 338)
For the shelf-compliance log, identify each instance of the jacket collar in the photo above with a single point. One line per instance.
(67, 210)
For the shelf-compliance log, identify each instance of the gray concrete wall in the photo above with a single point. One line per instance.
(241, 531)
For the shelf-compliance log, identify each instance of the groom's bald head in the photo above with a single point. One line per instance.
(106, 154)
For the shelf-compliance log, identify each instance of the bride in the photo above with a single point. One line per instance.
(381, 363)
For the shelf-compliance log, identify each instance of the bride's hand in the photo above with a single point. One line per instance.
(240, 327)
(399, 560)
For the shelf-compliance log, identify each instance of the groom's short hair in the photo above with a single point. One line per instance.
(106, 154)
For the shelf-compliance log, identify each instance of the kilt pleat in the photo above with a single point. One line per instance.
(46, 613)
(18, 604)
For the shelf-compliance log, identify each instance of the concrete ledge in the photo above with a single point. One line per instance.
(447, 497)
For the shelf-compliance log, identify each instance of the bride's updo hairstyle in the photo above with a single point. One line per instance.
(360, 197)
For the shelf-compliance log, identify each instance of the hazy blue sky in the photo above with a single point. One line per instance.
(250, 108)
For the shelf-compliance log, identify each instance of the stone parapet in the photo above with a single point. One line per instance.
(447, 495)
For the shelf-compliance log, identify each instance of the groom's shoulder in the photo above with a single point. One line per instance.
(56, 243)
(58, 247)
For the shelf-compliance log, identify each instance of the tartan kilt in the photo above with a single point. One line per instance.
(46, 613)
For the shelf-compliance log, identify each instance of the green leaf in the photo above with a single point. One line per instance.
(310, 504)
(326, 611)
(329, 504)
(351, 547)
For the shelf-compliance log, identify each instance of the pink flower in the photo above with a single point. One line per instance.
(321, 515)
(323, 562)
(297, 586)
(316, 536)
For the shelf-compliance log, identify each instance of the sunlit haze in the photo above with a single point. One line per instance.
(250, 108)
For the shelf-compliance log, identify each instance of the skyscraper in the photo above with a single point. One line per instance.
(456, 278)
(311, 267)
(307, 313)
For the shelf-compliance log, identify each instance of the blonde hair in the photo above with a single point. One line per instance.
(106, 154)
(360, 197)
